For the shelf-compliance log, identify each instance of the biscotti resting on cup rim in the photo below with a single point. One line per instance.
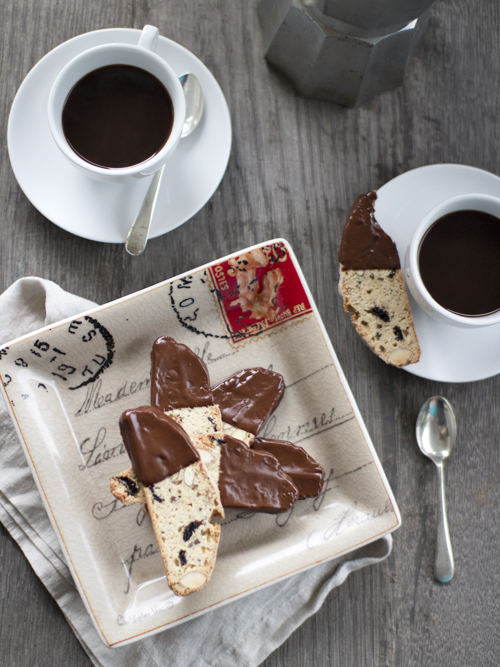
(373, 289)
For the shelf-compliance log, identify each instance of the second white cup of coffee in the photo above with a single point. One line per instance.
(464, 205)
(143, 57)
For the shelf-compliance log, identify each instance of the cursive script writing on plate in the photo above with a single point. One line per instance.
(299, 432)
(138, 553)
(346, 519)
(96, 450)
(95, 398)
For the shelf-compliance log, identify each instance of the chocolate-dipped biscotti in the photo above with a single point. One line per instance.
(127, 487)
(372, 286)
(181, 498)
(186, 467)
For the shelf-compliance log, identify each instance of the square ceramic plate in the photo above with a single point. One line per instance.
(66, 386)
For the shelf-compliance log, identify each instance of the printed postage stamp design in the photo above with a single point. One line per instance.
(258, 291)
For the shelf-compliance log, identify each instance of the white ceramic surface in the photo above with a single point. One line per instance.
(140, 55)
(414, 282)
(102, 211)
(66, 386)
(449, 354)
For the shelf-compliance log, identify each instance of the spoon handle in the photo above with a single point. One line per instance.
(138, 234)
(444, 567)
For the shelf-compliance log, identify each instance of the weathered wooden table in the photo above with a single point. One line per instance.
(295, 168)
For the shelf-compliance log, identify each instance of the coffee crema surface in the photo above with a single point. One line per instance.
(459, 260)
(117, 116)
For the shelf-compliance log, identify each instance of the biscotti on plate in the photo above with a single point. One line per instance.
(182, 508)
(127, 487)
(181, 497)
(185, 468)
(205, 419)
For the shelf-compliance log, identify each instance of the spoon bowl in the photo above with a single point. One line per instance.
(194, 103)
(436, 428)
(436, 431)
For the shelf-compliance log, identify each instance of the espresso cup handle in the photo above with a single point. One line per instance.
(149, 38)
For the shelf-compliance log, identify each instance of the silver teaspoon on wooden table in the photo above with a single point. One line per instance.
(137, 237)
(436, 431)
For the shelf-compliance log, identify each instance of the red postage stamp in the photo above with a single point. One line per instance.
(259, 290)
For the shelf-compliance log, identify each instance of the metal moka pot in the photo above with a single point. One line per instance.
(343, 51)
(373, 15)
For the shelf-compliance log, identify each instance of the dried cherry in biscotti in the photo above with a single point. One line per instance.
(381, 313)
(398, 333)
(189, 530)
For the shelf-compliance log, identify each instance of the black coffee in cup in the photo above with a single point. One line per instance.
(117, 116)
(459, 261)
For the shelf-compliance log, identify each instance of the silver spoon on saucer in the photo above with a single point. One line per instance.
(436, 431)
(137, 237)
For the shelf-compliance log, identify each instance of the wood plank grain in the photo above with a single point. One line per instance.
(296, 166)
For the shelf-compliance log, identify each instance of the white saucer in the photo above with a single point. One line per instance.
(449, 354)
(101, 211)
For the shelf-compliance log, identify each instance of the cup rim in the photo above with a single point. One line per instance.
(55, 114)
(450, 205)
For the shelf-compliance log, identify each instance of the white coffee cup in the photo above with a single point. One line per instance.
(141, 55)
(470, 202)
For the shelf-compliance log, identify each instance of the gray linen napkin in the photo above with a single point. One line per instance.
(228, 634)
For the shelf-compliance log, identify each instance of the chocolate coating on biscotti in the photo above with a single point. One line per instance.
(179, 378)
(253, 480)
(303, 470)
(157, 446)
(364, 243)
(249, 397)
